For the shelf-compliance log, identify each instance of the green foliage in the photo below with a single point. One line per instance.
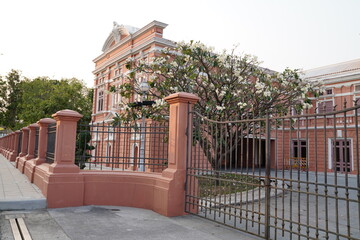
(230, 87)
(10, 100)
(83, 148)
(225, 183)
(42, 97)
(23, 102)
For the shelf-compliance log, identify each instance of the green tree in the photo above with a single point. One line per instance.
(42, 97)
(230, 87)
(10, 100)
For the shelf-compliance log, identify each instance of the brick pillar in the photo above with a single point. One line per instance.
(180, 104)
(43, 138)
(14, 154)
(31, 144)
(64, 156)
(24, 144)
(63, 182)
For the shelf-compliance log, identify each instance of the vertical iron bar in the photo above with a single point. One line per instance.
(357, 157)
(325, 179)
(298, 132)
(276, 178)
(347, 172)
(188, 158)
(267, 178)
(283, 176)
(290, 176)
(316, 179)
(307, 176)
(334, 162)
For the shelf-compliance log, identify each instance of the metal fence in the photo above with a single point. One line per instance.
(36, 142)
(19, 143)
(133, 146)
(283, 177)
(51, 137)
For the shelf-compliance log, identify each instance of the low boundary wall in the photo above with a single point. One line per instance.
(65, 185)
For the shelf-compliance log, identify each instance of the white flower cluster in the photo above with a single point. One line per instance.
(222, 57)
(259, 86)
(124, 107)
(220, 108)
(307, 105)
(175, 89)
(154, 61)
(237, 93)
(159, 102)
(306, 88)
(129, 60)
(241, 104)
(220, 93)
(174, 64)
(267, 93)
(201, 46)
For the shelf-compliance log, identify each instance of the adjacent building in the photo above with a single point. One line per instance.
(325, 142)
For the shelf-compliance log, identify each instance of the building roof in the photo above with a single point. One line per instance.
(332, 71)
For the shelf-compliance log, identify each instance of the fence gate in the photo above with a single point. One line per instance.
(277, 177)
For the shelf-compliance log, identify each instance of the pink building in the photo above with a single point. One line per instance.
(125, 147)
(327, 142)
(123, 42)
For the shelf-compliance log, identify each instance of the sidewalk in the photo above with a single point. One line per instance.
(94, 222)
(16, 191)
(112, 223)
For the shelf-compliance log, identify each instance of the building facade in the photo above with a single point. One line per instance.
(322, 141)
(126, 147)
(123, 42)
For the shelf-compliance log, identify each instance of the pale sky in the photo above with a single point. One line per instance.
(60, 38)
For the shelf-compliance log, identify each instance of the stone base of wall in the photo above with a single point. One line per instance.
(162, 193)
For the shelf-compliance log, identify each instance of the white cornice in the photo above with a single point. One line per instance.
(337, 78)
(124, 55)
(131, 36)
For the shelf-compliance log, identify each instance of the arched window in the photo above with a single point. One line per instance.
(101, 101)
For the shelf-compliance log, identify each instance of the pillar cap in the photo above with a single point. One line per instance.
(67, 114)
(34, 125)
(17, 131)
(25, 129)
(46, 121)
(182, 97)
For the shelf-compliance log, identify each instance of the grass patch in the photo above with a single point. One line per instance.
(215, 184)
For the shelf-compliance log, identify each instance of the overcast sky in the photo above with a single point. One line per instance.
(60, 39)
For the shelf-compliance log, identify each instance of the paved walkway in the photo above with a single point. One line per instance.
(16, 191)
(113, 223)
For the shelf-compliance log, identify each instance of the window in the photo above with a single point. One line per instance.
(100, 101)
(357, 88)
(299, 149)
(325, 106)
(357, 103)
(299, 154)
(116, 99)
(329, 91)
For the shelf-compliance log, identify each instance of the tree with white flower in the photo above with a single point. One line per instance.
(230, 86)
